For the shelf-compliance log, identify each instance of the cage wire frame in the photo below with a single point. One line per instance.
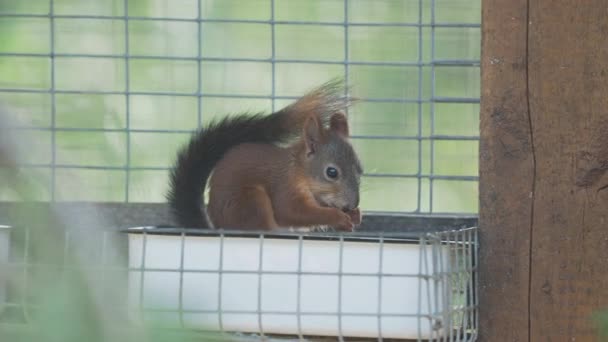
(429, 241)
(200, 95)
(448, 311)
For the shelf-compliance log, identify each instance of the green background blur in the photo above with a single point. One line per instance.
(115, 141)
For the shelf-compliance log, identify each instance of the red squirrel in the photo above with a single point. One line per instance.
(254, 183)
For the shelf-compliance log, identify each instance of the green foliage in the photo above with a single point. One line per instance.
(59, 287)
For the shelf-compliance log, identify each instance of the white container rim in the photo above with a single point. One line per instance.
(414, 237)
(366, 236)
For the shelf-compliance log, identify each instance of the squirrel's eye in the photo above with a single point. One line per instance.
(331, 172)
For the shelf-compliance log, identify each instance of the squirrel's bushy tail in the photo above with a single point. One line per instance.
(206, 148)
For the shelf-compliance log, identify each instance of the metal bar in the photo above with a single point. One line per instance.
(340, 275)
(189, 131)
(291, 313)
(421, 278)
(427, 278)
(143, 270)
(127, 101)
(229, 96)
(436, 285)
(455, 100)
(26, 259)
(420, 88)
(158, 168)
(448, 305)
(220, 272)
(155, 269)
(473, 281)
(103, 281)
(64, 262)
(253, 312)
(53, 100)
(240, 272)
(199, 59)
(104, 246)
(442, 63)
(273, 55)
(181, 280)
(380, 270)
(260, 273)
(299, 298)
(463, 264)
(243, 21)
(432, 105)
(346, 53)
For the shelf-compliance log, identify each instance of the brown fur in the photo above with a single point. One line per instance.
(261, 186)
(313, 180)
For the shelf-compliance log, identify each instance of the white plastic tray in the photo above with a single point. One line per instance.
(370, 299)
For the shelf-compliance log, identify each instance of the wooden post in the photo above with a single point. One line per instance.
(543, 169)
(506, 170)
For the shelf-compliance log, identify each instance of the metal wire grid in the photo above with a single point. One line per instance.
(273, 60)
(446, 305)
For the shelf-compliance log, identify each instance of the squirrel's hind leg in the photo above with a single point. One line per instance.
(251, 209)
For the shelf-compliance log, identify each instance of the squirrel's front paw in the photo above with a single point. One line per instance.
(345, 223)
(355, 216)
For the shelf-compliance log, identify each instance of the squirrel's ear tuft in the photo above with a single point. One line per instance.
(312, 135)
(339, 124)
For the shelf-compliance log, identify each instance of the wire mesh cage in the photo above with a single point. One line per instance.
(107, 90)
(111, 88)
(307, 286)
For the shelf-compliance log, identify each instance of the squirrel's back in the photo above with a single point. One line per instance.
(196, 161)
